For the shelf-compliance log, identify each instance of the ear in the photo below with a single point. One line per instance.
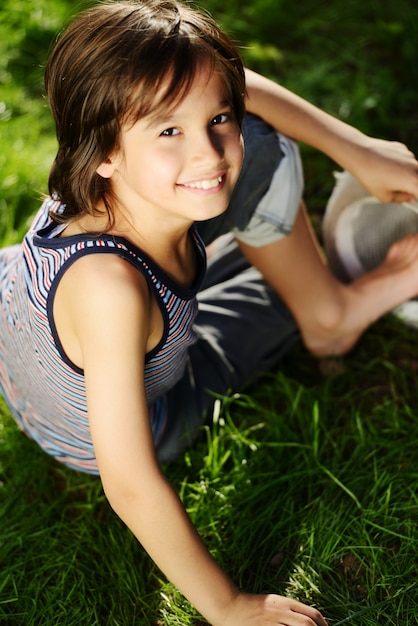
(107, 167)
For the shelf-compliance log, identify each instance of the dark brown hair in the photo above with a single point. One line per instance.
(106, 69)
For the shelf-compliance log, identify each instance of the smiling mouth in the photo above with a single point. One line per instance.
(204, 184)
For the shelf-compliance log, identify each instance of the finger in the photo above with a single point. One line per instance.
(310, 612)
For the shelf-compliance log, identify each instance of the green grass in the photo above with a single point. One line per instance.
(305, 486)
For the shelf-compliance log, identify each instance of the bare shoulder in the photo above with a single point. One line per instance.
(104, 271)
(101, 296)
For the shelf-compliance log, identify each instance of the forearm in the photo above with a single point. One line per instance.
(300, 119)
(387, 169)
(162, 526)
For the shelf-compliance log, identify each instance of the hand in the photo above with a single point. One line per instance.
(387, 169)
(266, 610)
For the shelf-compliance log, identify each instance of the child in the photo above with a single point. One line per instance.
(105, 357)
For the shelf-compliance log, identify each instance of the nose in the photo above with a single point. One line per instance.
(207, 147)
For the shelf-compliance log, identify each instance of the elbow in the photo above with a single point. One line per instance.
(121, 497)
(138, 491)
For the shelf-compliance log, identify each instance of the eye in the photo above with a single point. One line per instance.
(222, 118)
(170, 132)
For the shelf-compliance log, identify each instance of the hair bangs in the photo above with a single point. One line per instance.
(169, 80)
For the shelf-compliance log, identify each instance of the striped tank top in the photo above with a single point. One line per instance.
(43, 388)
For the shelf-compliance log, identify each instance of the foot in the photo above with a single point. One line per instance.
(359, 230)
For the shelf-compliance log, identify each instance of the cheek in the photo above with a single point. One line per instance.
(162, 164)
(147, 171)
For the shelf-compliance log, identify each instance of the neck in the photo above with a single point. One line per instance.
(169, 245)
(167, 242)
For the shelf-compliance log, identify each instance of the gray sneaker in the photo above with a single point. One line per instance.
(358, 230)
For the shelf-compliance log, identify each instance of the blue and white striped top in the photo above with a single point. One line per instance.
(43, 388)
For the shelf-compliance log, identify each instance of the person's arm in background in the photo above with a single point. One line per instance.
(387, 169)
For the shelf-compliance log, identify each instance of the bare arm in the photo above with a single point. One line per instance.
(388, 170)
(332, 315)
(113, 324)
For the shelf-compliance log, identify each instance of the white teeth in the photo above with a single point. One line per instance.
(206, 184)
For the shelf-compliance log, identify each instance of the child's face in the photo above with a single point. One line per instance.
(180, 165)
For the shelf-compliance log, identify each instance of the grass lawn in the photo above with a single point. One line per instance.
(307, 485)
